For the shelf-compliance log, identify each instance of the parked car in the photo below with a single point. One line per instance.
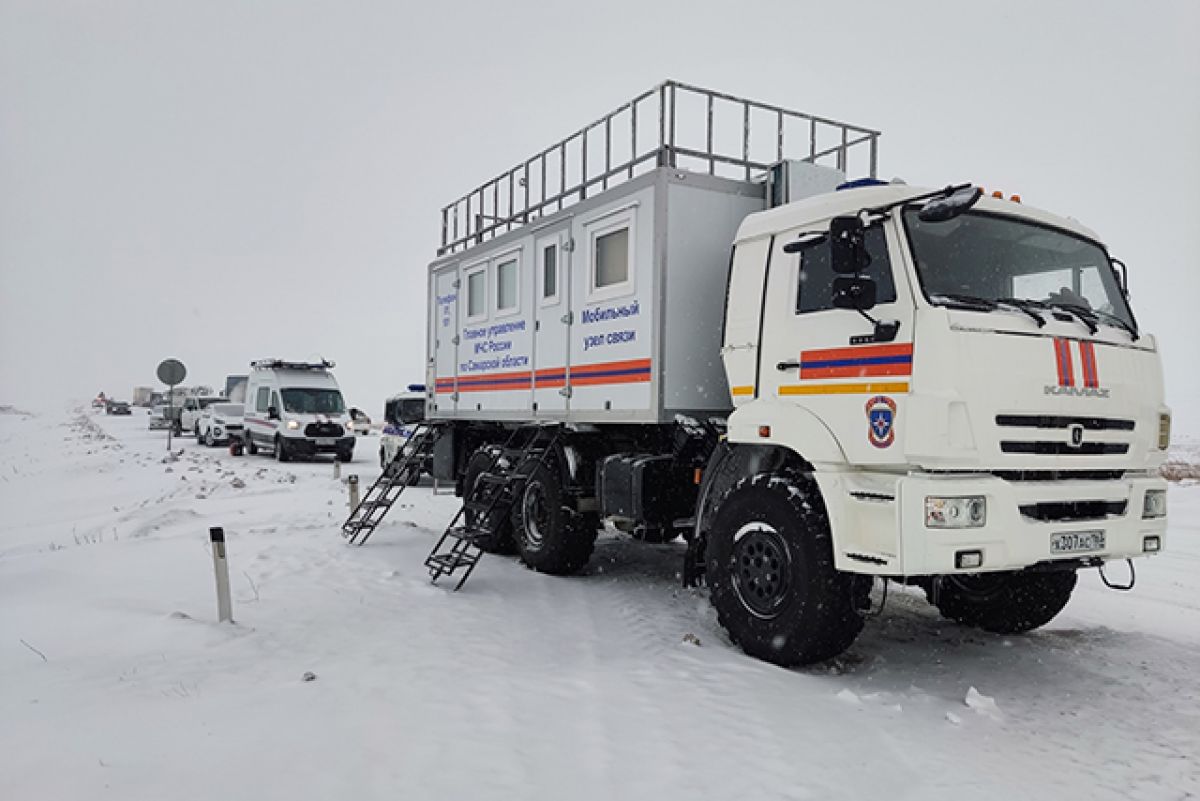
(117, 407)
(158, 418)
(193, 407)
(219, 423)
(359, 422)
(403, 413)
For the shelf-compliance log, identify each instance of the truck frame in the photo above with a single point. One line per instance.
(801, 376)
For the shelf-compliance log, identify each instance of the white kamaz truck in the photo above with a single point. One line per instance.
(814, 382)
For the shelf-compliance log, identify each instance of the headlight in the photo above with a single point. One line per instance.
(968, 512)
(293, 425)
(1164, 431)
(1154, 504)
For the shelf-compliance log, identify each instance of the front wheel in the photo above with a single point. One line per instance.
(282, 452)
(770, 566)
(251, 448)
(1002, 602)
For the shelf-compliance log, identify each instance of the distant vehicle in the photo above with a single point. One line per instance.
(117, 407)
(193, 407)
(402, 414)
(99, 402)
(359, 422)
(235, 388)
(219, 423)
(158, 418)
(142, 396)
(296, 409)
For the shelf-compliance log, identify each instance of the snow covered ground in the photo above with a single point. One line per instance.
(116, 681)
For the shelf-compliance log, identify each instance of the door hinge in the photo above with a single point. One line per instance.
(456, 283)
(569, 245)
(568, 318)
(455, 340)
(454, 395)
(565, 392)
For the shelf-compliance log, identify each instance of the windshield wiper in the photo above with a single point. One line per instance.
(975, 303)
(1027, 306)
(1090, 316)
(1084, 314)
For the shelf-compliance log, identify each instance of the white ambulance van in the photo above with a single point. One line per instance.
(296, 409)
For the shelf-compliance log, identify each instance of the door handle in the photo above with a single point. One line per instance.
(787, 365)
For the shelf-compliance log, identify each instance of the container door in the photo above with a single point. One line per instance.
(552, 329)
(444, 339)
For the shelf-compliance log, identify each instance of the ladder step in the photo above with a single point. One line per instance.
(468, 534)
(449, 562)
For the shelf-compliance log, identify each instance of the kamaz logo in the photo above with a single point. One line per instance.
(1078, 392)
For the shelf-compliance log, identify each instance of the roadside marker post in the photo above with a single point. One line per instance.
(352, 482)
(221, 568)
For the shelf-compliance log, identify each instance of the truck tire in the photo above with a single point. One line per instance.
(502, 541)
(251, 448)
(282, 452)
(771, 572)
(1002, 603)
(551, 537)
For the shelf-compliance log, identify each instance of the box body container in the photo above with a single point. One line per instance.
(606, 312)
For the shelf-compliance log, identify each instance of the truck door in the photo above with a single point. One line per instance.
(552, 326)
(443, 340)
(825, 359)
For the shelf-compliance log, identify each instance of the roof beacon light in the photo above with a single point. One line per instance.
(998, 194)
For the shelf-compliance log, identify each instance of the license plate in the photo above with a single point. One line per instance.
(1077, 541)
(326, 441)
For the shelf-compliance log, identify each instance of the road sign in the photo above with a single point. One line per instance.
(171, 372)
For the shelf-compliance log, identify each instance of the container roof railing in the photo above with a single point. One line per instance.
(671, 125)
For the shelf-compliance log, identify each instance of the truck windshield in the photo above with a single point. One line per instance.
(984, 261)
(310, 400)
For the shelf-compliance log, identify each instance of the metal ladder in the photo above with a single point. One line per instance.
(389, 486)
(490, 501)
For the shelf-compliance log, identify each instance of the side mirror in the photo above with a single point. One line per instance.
(847, 246)
(1123, 273)
(272, 413)
(855, 292)
(947, 207)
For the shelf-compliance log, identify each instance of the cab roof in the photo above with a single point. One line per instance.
(819, 208)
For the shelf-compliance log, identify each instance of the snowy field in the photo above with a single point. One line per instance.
(116, 681)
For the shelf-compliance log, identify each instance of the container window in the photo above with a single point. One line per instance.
(550, 272)
(506, 285)
(477, 294)
(611, 257)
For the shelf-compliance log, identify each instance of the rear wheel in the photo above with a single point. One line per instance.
(770, 566)
(1003, 602)
(501, 540)
(551, 537)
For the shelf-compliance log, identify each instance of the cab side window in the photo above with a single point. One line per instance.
(260, 402)
(815, 287)
(275, 400)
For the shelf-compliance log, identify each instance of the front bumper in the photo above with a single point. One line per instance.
(879, 521)
(307, 446)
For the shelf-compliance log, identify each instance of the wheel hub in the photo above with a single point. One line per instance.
(761, 569)
(536, 514)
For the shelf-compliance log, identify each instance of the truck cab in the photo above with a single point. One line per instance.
(959, 381)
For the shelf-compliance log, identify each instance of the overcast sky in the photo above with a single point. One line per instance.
(222, 181)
